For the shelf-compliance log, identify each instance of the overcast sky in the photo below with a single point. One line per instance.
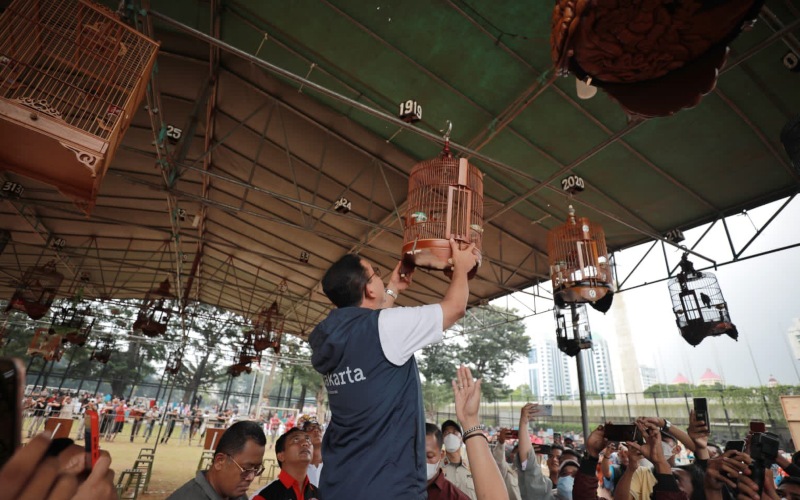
(762, 296)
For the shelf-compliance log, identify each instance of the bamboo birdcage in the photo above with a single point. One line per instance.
(578, 258)
(36, 291)
(156, 311)
(71, 78)
(699, 307)
(73, 321)
(445, 199)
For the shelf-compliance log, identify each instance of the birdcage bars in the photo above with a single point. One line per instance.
(573, 332)
(102, 350)
(578, 258)
(174, 362)
(268, 329)
(36, 290)
(698, 304)
(70, 321)
(156, 311)
(71, 78)
(445, 199)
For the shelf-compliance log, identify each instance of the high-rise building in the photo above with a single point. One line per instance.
(649, 376)
(794, 337)
(598, 378)
(548, 370)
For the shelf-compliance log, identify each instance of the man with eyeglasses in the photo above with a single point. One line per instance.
(293, 451)
(364, 349)
(237, 462)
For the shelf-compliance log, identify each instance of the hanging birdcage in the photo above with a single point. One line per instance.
(699, 307)
(156, 311)
(246, 355)
(72, 76)
(579, 266)
(73, 321)
(102, 350)
(268, 329)
(572, 328)
(174, 362)
(36, 291)
(5, 237)
(445, 199)
(46, 345)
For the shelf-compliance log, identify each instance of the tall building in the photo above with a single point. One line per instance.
(794, 337)
(598, 378)
(649, 376)
(548, 370)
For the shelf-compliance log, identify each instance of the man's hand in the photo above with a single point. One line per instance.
(467, 392)
(463, 260)
(726, 469)
(748, 490)
(398, 283)
(609, 449)
(596, 441)
(652, 450)
(527, 413)
(503, 435)
(698, 431)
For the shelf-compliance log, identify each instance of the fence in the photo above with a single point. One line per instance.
(730, 411)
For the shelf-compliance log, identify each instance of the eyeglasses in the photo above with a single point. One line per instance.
(376, 271)
(246, 472)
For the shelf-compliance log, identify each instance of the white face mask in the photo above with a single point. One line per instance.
(431, 470)
(667, 450)
(452, 443)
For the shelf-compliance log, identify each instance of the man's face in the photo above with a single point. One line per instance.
(374, 283)
(315, 432)
(433, 452)
(297, 449)
(568, 470)
(228, 476)
(450, 430)
(789, 491)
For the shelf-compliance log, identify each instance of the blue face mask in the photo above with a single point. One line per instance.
(565, 487)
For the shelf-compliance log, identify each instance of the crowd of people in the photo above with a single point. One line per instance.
(377, 442)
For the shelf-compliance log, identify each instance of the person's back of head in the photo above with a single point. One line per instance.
(344, 282)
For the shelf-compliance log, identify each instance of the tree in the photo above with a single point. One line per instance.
(491, 339)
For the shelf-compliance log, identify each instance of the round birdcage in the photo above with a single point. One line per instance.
(579, 266)
(699, 307)
(73, 321)
(445, 200)
(268, 329)
(156, 311)
(36, 290)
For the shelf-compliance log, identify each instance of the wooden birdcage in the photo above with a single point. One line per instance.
(699, 307)
(156, 311)
(246, 355)
(572, 328)
(445, 199)
(46, 345)
(102, 350)
(174, 362)
(73, 321)
(36, 291)
(579, 267)
(71, 78)
(268, 329)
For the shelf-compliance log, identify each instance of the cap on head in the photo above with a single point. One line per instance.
(450, 423)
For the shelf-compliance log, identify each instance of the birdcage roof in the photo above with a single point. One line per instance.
(262, 158)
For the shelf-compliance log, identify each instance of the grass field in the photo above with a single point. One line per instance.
(175, 462)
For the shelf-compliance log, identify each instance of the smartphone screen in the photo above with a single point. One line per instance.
(12, 379)
(701, 410)
(621, 433)
(737, 445)
(545, 410)
(514, 434)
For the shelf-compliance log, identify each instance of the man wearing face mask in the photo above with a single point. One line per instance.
(438, 488)
(455, 470)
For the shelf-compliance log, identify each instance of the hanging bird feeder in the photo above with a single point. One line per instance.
(156, 311)
(699, 307)
(445, 200)
(72, 76)
(46, 345)
(268, 329)
(36, 291)
(579, 267)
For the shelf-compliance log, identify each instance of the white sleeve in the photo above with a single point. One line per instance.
(405, 330)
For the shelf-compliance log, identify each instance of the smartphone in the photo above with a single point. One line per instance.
(545, 410)
(542, 449)
(92, 435)
(514, 434)
(622, 433)
(757, 426)
(736, 444)
(701, 410)
(12, 381)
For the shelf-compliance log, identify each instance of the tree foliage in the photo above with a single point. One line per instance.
(490, 340)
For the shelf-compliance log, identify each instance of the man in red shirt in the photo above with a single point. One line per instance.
(293, 451)
(439, 488)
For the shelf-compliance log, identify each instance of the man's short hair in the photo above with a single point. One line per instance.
(344, 282)
(433, 430)
(236, 436)
(280, 444)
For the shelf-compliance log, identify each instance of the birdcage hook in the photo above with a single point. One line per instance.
(446, 135)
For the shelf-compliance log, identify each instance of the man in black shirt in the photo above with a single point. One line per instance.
(293, 451)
